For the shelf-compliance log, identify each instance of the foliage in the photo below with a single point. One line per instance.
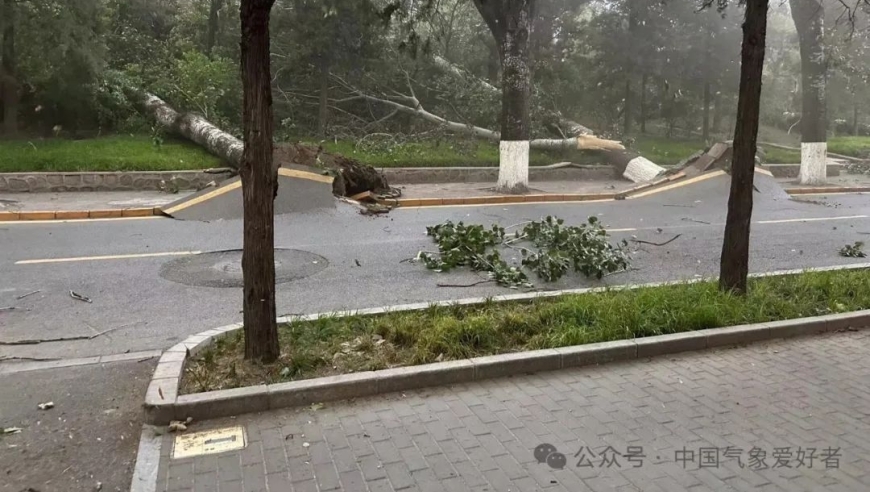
(117, 153)
(336, 345)
(559, 248)
(855, 250)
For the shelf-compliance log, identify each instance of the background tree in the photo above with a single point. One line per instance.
(809, 20)
(259, 184)
(9, 85)
(511, 22)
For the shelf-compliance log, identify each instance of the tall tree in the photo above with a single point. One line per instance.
(214, 8)
(9, 86)
(511, 22)
(734, 263)
(809, 20)
(259, 184)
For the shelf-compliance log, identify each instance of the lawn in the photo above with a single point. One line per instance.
(138, 153)
(333, 345)
(434, 154)
(114, 153)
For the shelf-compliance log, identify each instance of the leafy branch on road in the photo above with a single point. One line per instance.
(552, 249)
(853, 250)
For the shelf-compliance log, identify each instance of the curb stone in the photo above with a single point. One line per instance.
(162, 402)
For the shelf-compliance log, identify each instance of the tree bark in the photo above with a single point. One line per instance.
(511, 22)
(809, 20)
(628, 111)
(705, 134)
(734, 263)
(643, 82)
(323, 107)
(213, 25)
(259, 185)
(9, 85)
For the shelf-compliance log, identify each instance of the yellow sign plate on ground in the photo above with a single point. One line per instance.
(209, 442)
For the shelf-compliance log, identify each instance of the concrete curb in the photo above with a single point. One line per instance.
(79, 214)
(827, 190)
(163, 403)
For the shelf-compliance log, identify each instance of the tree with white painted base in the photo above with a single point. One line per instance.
(511, 23)
(809, 20)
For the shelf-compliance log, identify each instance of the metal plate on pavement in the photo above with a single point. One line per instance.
(209, 442)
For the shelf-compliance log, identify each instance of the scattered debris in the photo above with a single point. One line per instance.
(853, 250)
(467, 285)
(357, 263)
(697, 221)
(641, 241)
(305, 445)
(681, 206)
(316, 406)
(7, 308)
(180, 425)
(28, 294)
(11, 430)
(37, 341)
(98, 486)
(34, 359)
(80, 297)
(46, 406)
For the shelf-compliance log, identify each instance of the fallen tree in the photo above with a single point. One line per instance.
(351, 176)
(627, 163)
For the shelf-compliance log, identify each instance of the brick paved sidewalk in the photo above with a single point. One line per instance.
(801, 407)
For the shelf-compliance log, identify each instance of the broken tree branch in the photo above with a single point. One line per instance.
(669, 241)
(37, 341)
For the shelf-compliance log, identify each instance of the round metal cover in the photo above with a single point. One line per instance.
(224, 268)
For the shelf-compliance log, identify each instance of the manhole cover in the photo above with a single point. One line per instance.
(224, 268)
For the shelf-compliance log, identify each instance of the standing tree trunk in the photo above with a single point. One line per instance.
(259, 185)
(9, 86)
(212, 29)
(628, 113)
(643, 81)
(707, 100)
(717, 112)
(511, 22)
(734, 265)
(323, 107)
(809, 20)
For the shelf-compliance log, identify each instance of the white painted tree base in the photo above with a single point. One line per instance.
(641, 169)
(814, 163)
(513, 166)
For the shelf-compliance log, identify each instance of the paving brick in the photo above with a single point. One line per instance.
(809, 391)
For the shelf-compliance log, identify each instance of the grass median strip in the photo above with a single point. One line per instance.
(341, 345)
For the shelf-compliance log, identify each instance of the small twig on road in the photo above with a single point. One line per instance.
(35, 359)
(28, 294)
(80, 297)
(37, 341)
(466, 285)
(641, 241)
(620, 271)
(146, 358)
(693, 220)
(7, 308)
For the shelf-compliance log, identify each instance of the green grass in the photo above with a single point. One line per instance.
(333, 345)
(667, 152)
(851, 146)
(115, 153)
(432, 154)
(774, 155)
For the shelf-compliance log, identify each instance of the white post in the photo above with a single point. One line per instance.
(814, 163)
(513, 166)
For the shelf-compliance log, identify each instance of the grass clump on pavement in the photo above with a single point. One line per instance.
(333, 345)
(115, 153)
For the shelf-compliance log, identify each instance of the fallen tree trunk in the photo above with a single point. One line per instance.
(626, 163)
(351, 177)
